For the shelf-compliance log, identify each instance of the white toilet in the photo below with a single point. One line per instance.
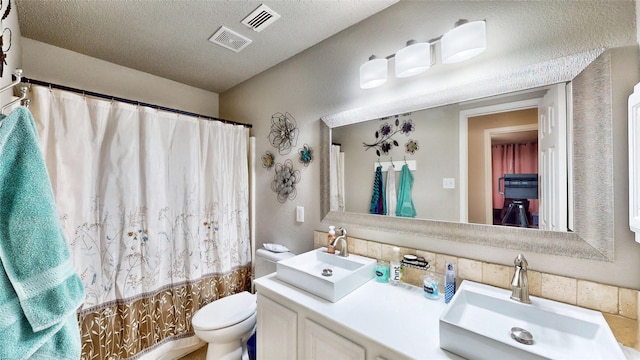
(228, 323)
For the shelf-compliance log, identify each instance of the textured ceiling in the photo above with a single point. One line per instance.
(170, 38)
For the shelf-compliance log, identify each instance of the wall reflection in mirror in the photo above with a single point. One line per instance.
(482, 162)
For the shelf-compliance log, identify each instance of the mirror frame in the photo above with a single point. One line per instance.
(593, 234)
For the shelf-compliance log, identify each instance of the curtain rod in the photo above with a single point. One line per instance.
(132, 102)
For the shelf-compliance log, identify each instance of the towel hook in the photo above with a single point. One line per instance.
(392, 165)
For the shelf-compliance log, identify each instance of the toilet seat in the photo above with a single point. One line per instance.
(225, 312)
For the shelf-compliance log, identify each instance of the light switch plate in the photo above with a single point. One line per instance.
(300, 213)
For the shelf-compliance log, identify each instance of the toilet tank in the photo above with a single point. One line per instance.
(266, 261)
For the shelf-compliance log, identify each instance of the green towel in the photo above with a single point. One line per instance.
(405, 203)
(39, 290)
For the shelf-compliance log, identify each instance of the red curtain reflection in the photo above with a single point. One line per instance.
(513, 159)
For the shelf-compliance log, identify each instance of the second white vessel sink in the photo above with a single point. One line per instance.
(480, 320)
(328, 276)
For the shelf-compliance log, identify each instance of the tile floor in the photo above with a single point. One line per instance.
(199, 354)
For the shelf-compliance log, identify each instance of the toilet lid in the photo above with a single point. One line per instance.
(225, 312)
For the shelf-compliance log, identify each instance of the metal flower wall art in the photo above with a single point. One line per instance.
(384, 140)
(284, 132)
(284, 183)
(411, 146)
(306, 155)
(267, 160)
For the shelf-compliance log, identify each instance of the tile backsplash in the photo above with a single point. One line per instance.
(604, 298)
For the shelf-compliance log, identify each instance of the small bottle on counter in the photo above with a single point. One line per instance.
(430, 284)
(449, 283)
(395, 268)
(332, 235)
(382, 271)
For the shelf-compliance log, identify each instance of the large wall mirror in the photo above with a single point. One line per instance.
(444, 124)
(458, 155)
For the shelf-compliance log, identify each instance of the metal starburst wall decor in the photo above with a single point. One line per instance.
(284, 132)
(305, 155)
(284, 183)
(268, 160)
(384, 141)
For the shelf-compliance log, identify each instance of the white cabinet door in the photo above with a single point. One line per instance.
(321, 343)
(277, 331)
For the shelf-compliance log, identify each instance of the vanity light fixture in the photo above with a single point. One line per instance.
(373, 73)
(413, 59)
(464, 41)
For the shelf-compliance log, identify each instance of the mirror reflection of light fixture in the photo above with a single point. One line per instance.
(464, 41)
(373, 73)
(413, 59)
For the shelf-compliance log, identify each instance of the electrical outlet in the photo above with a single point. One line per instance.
(448, 183)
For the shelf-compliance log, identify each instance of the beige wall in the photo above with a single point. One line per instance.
(324, 80)
(52, 64)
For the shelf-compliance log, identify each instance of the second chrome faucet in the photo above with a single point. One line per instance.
(520, 281)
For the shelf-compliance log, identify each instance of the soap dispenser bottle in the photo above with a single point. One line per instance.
(395, 268)
(332, 235)
(449, 283)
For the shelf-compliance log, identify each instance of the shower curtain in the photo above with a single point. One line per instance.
(154, 206)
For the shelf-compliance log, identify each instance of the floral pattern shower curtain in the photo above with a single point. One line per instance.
(155, 209)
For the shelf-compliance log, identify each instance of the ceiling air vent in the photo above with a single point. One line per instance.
(229, 39)
(260, 18)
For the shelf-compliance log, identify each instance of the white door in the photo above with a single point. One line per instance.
(552, 162)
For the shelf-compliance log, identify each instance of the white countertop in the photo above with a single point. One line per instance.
(398, 317)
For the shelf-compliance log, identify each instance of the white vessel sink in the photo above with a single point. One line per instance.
(477, 324)
(305, 271)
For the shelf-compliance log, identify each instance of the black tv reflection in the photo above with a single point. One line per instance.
(519, 188)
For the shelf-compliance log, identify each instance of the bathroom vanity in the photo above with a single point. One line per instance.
(379, 321)
(376, 321)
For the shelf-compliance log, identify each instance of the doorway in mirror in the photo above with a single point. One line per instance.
(515, 137)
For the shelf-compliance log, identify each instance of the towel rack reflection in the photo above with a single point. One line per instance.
(412, 164)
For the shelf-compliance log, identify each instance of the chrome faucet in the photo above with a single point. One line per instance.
(344, 248)
(520, 282)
